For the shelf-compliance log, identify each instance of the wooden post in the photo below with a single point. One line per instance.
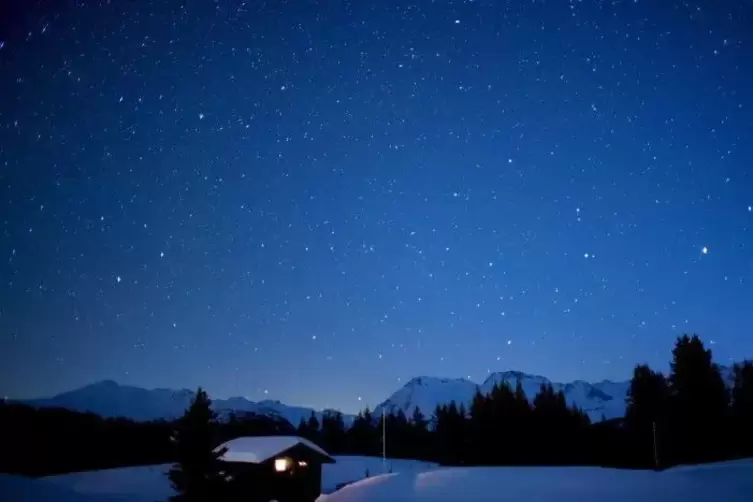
(656, 449)
(384, 442)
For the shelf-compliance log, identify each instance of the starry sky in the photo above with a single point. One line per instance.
(315, 201)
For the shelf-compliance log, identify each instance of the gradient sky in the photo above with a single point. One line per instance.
(316, 201)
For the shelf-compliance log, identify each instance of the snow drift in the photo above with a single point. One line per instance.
(727, 482)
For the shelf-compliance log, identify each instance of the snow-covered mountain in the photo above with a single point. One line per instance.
(426, 393)
(598, 400)
(109, 399)
(604, 399)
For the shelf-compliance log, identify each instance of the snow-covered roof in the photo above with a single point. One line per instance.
(258, 449)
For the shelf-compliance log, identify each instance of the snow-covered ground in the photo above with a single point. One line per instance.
(150, 483)
(130, 484)
(723, 482)
(21, 489)
(425, 482)
(353, 468)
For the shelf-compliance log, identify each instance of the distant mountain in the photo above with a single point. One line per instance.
(605, 399)
(598, 400)
(425, 393)
(109, 399)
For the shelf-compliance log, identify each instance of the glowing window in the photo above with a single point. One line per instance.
(281, 464)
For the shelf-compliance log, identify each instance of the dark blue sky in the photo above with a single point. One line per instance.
(316, 201)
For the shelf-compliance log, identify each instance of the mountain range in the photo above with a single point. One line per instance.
(600, 400)
(110, 399)
(107, 398)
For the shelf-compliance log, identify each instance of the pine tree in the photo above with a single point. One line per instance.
(699, 403)
(333, 432)
(520, 426)
(303, 429)
(419, 421)
(312, 426)
(742, 408)
(197, 476)
(362, 435)
(480, 428)
(419, 435)
(646, 415)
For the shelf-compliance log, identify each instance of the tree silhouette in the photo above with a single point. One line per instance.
(333, 432)
(699, 403)
(312, 427)
(742, 408)
(646, 415)
(197, 475)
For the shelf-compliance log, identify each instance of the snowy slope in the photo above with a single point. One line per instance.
(601, 399)
(22, 489)
(728, 482)
(351, 468)
(423, 481)
(150, 483)
(132, 484)
(109, 399)
(425, 393)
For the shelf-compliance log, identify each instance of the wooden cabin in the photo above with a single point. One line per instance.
(281, 468)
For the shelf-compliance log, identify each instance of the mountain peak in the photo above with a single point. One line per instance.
(422, 381)
(512, 377)
(105, 384)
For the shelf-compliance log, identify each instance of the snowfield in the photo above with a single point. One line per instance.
(129, 484)
(723, 482)
(425, 482)
(353, 468)
(150, 483)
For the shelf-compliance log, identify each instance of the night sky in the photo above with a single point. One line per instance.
(317, 201)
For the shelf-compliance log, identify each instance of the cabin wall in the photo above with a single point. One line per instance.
(260, 482)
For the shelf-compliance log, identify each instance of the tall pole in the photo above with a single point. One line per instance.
(656, 450)
(384, 442)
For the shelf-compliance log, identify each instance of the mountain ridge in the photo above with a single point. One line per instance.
(604, 399)
(111, 399)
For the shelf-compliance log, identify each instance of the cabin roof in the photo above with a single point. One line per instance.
(258, 449)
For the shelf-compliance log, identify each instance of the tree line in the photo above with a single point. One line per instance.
(502, 427)
(690, 415)
(46, 441)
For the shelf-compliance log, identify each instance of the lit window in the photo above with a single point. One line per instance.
(281, 464)
(303, 463)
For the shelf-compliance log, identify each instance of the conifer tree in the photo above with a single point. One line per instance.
(198, 475)
(742, 408)
(646, 415)
(699, 403)
(312, 427)
(303, 430)
(333, 432)
(419, 434)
